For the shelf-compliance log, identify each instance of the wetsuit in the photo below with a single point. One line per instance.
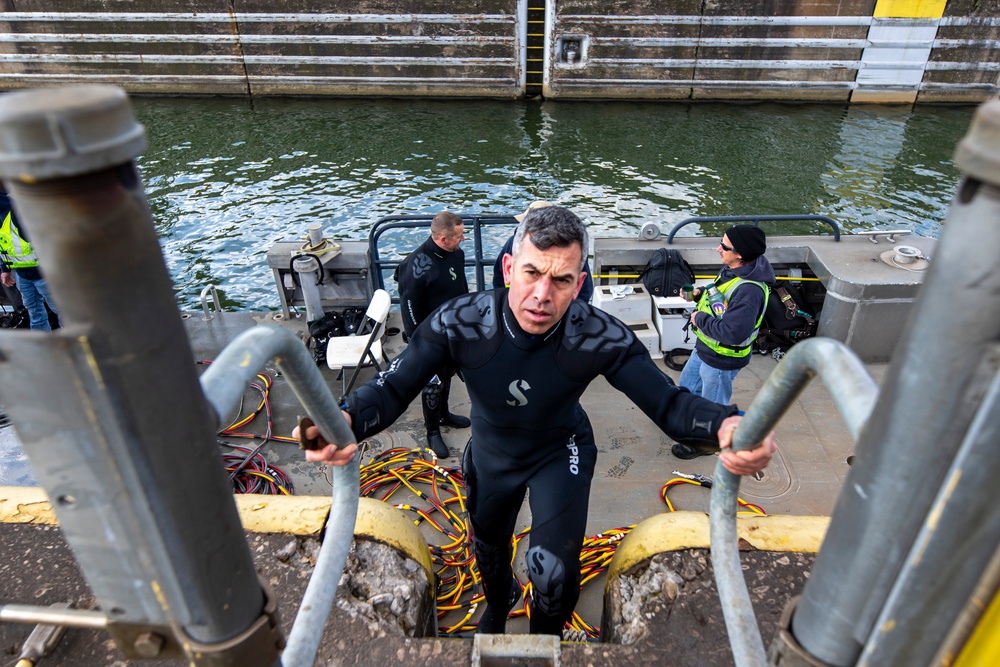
(529, 431)
(427, 278)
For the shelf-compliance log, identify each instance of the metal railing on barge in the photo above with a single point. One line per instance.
(474, 223)
(480, 259)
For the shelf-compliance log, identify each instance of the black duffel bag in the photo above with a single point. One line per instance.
(666, 272)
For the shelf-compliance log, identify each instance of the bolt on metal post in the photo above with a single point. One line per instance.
(110, 405)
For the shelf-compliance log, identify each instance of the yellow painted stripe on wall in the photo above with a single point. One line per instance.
(26, 504)
(909, 9)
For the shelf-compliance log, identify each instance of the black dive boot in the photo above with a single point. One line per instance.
(543, 624)
(430, 400)
(449, 418)
(687, 453)
(493, 621)
(500, 587)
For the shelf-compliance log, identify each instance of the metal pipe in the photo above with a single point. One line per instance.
(854, 394)
(66, 156)
(927, 401)
(307, 630)
(737, 610)
(959, 537)
(225, 380)
(224, 383)
(755, 220)
(71, 618)
(309, 269)
(852, 389)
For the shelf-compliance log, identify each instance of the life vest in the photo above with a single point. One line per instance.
(727, 288)
(17, 252)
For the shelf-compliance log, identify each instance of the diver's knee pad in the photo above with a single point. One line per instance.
(555, 589)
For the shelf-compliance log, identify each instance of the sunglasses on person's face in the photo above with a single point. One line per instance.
(725, 247)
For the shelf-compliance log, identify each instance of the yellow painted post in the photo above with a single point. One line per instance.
(983, 648)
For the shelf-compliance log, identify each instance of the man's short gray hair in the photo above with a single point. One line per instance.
(444, 224)
(552, 226)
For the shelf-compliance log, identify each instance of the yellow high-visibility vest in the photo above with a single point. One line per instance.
(17, 252)
(743, 349)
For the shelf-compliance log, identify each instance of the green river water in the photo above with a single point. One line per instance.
(226, 177)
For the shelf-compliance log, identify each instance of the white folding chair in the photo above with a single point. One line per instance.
(361, 350)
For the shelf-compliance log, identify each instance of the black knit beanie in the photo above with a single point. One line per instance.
(748, 241)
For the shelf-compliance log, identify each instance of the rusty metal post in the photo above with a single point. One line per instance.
(109, 409)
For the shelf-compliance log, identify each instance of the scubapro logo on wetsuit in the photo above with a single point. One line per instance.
(515, 388)
(574, 455)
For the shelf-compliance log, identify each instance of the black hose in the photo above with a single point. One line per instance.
(668, 358)
(295, 277)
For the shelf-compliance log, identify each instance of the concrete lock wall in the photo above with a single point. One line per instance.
(808, 50)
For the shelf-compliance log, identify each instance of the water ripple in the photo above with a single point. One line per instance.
(225, 179)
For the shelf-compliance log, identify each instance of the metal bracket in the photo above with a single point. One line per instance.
(260, 644)
(515, 650)
(784, 650)
(890, 234)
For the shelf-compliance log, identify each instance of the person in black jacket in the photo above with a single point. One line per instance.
(724, 342)
(429, 276)
(527, 354)
(19, 267)
(586, 291)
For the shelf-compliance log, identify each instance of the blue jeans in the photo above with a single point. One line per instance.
(35, 294)
(711, 383)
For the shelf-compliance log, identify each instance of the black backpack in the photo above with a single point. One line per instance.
(666, 272)
(785, 322)
(321, 331)
(17, 319)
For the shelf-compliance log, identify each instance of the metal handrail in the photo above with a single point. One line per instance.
(854, 393)
(755, 220)
(204, 301)
(223, 384)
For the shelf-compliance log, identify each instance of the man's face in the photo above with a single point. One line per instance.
(728, 254)
(451, 242)
(542, 284)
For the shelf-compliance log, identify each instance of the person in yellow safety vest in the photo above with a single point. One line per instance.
(724, 343)
(19, 266)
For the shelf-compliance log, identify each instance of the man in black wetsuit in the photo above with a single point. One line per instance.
(429, 276)
(527, 354)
